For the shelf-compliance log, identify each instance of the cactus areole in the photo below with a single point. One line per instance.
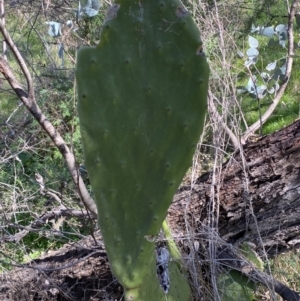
(141, 101)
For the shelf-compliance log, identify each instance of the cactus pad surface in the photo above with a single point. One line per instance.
(142, 102)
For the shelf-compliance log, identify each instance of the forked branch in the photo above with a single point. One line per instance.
(254, 127)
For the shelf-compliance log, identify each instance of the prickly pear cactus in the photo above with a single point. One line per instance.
(141, 101)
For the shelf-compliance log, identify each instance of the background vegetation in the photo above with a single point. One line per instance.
(26, 152)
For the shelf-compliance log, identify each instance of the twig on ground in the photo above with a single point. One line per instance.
(38, 223)
(230, 257)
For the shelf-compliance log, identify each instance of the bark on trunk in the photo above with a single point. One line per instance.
(258, 192)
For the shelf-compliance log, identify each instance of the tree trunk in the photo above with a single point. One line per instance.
(258, 192)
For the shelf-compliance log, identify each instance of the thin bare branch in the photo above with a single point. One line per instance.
(38, 223)
(28, 100)
(214, 113)
(2, 16)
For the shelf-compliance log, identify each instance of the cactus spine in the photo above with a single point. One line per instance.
(141, 101)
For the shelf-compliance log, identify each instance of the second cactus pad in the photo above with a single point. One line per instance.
(142, 102)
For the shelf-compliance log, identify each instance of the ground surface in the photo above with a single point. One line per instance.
(78, 271)
(258, 191)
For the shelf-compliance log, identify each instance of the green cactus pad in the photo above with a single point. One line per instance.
(142, 102)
